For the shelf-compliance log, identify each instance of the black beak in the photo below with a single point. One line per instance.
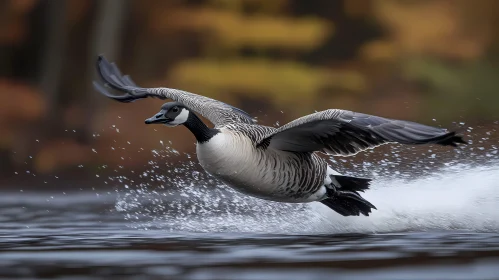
(158, 118)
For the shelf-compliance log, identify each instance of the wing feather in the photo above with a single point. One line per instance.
(217, 112)
(341, 132)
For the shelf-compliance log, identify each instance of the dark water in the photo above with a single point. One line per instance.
(443, 227)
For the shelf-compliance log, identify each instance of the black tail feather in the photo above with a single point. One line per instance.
(346, 200)
(348, 183)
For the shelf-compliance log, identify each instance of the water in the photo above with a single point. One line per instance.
(437, 218)
(440, 227)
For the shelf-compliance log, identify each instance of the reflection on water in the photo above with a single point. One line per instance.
(227, 256)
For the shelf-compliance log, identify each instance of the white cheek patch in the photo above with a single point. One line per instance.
(181, 118)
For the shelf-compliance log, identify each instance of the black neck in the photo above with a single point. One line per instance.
(202, 132)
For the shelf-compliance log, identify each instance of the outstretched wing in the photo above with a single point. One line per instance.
(217, 112)
(340, 132)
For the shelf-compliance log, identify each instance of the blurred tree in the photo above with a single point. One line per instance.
(406, 59)
(105, 38)
(53, 47)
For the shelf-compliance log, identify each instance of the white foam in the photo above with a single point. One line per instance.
(414, 190)
(467, 199)
(464, 199)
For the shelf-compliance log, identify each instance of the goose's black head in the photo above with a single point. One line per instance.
(171, 114)
(175, 113)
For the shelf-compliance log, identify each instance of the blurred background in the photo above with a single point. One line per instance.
(434, 62)
(87, 189)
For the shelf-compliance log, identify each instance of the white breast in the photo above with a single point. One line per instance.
(233, 158)
(227, 155)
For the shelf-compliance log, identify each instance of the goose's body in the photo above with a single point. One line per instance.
(232, 157)
(279, 164)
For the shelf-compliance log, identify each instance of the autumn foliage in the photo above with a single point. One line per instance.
(416, 60)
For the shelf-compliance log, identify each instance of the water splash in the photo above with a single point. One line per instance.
(454, 198)
(414, 188)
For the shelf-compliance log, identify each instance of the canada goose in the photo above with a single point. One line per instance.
(279, 164)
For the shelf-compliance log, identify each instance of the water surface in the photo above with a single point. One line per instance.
(443, 226)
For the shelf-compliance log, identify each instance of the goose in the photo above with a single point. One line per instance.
(278, 164)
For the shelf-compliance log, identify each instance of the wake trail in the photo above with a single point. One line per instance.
(464, 198)
(414, 189)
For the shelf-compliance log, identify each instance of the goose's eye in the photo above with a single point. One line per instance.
(175, 109)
